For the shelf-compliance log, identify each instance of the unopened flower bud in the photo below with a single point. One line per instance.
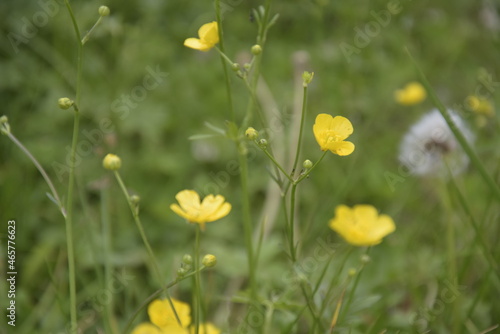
(256, 50)
(65, 103)
(104, 10)
(251, 133)
(307, 164)
(187, 259)
(307, 77)
(247, 66)
(209, 260)
(4, 125)
(135, 199)
(365, 259)
(352, 272)
(235, 67)
(263, 143)
(181, 272)
(112, 162)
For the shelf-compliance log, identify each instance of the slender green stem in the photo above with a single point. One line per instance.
(197, 283)
(247, 223)
(291, 226)
(495, 189)
(41, 170)
(276, 163)
(87, 35)
(224, 66)
(71, 182)
(152, 258)
(353, 290)
(156, 294)
(302, 117)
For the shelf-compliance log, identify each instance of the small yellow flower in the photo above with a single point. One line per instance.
(251, 133)
(163, 320)
(200, 212)
(361, 225)
(209, 36)
(209, 260)
(412, 93)
(161, 314)
(480, 106)
(330, 133)
(112, 162)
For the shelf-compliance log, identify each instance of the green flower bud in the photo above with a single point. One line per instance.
(256, 50)
(365, 259)
(307, 164)
(181, 272)
(135, 199)
(235, 67)
(247, 66)
(352, 272)
(209, 260)
(251, 133)
(307, 77)
(112, 162)
(65, 103)
(4, 125)
(187, 259)
(104, 11)
(263, 143)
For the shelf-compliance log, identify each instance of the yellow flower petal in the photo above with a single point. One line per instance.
(161, 314)
(341, 126)
(361, 226)
(210, 209)
(412, 93)
(341, 148)
(146, 328)
(197, 44)
(209, 33)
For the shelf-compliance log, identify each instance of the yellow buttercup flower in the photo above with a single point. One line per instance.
(200, 212)
(361, 225)
(480, 106)
(209, 36)
(412, 93)
(163, 320)
(161, 314)
(330, 133)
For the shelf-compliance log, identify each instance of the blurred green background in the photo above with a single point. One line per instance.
(453, 42)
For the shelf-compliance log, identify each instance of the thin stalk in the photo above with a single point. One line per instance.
(71, 182)
(41, 170)
(495, 189)
(353, 290)
(224, 66)
(247, 223)
(152, 258)
(87, 35)
(302, 117)
(291, 229)
(156, 294)
(276, 163)
(197, 284)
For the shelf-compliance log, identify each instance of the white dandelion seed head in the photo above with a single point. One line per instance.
(429, 146)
